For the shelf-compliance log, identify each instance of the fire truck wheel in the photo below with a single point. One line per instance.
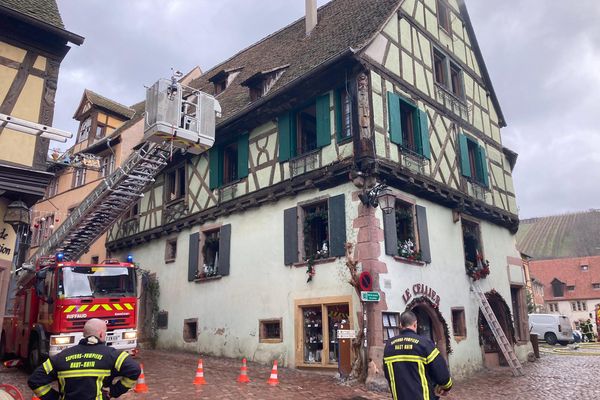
(34, 358)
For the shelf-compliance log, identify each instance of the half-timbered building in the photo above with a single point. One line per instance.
(248, 240)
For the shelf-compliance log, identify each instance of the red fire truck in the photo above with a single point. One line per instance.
(52, 303)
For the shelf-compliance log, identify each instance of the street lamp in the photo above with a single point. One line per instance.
(379, 195)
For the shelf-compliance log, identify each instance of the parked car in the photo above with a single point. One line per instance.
(554, 328)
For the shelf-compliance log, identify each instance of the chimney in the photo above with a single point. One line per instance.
(311, 15)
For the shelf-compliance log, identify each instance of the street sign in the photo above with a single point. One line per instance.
(370, 296)
(346, 333)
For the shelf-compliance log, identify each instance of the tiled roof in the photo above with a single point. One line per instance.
(342, 24)
(560, 236)
(568, 271)
(109, 104)
(43, 10)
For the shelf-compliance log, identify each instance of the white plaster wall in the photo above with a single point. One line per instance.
(259, 286)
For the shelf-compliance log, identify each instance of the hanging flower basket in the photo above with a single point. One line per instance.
(478, 270)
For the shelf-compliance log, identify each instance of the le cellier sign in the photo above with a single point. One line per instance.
(421, 289)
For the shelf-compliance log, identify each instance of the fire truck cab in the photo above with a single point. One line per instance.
(51, 305)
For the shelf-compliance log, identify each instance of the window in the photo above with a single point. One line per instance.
(170, 250)
(162, 320)
(270, 331)
(595, 285)
(190, 330)
(405, 230)
(585, 267)
(408, 126)
(100, 131)
(107, 165)
(261, 82)
(571, 288)
(209, 253)
(305, 130)
(84, 130)
(220, 86)
(584, 305)
(558, 288)
(133, 212)
(95, 260)
(52, 189)
(42, 229)
(79, 175)
(391, 325)
(439, 67)
(406, 233)
(473, 160)
(448, 74)
(553, 307)
(343, 110)
(228, 162)
(315, 231)
(456, 80)
(472, 243)
(459, 326)
(176, 184)
(443, 15)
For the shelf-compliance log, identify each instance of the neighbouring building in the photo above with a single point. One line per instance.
(248, 240)
(33, 43)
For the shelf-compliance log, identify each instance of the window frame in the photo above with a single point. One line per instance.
(205, 270)
(476, 161)
(107, 163)
(189, 335)
(344, 115)
(79, 177)
(303, 214)
(411, 208)
(52, 189)
(176, 172)
(170, 249)
(396, 328)
(444, 18)
(468, 221)
(262, 338)
(461, 323)
(595, 286)
(449, 69)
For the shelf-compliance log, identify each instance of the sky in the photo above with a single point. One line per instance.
(543, 57)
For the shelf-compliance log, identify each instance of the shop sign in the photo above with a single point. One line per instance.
(420, 289)
(370, 296)
(346, 334)
(7, 237)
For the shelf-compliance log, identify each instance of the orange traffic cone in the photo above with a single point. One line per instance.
(273, 378)
(199, 379)
(140, 386)
(243, 378)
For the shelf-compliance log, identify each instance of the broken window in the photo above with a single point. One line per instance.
(405, 231)
(315, 229)
(210, 254)
(176, 184)
(472, 243)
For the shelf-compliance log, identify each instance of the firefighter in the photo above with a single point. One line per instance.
(413, 365)
(90, 370)
(588, 330)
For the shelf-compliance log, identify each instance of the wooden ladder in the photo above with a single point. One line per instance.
(490, 317)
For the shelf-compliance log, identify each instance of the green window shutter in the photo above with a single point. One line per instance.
(214, 167)
(242, 156)
(323, 121)
(285, 136)
(338, 114)
(424, 133)
(464, 155)
(395, 126)
(483, 166)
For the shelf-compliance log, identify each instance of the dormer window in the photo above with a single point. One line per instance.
(260, 83)
(222, 79)
(84, 129)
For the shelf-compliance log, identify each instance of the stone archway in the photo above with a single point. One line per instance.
(431, 324)
(491, 351)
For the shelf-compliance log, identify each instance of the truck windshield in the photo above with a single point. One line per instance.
(97, 282)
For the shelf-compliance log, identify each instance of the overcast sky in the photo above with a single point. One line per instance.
(543, 57)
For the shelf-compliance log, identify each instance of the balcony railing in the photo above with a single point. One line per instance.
(174, 211)
(131, 226)
(452, 103)
(474, 189)
(227, 193)
(413, 161)
(305, 163)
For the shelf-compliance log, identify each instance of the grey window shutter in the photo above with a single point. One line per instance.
(423, 234)
(391, 236)
(193, 256)
(224, 250)
(290, 236)
(337, 226)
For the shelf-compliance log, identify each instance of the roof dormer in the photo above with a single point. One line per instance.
(261, 82)
(222, 79)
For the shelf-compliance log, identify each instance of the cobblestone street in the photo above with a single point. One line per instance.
(559, 374)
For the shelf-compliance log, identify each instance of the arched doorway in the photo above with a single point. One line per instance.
(492, 353)
(431, 324)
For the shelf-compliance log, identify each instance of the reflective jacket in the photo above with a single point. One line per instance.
(414, 367)
(83, 370)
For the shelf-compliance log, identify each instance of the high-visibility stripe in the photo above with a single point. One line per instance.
(390, 368)
(448, 385)
(424, 383)
(42, 390)
(118, 307)
(432, 356)
(99, 388)
(84, 373)
(94, 307)
(401, 358)
(107, 307)
(48, 366)
(82, 308)
(120, 360)
(128, 306)
(128, 383)
(69, 309)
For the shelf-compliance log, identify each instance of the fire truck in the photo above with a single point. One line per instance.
(53, 295)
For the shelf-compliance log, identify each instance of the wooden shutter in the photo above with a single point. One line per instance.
(483, 165)
(323, 121)
(339, 110)
(193, 253)
(224, 250)
(290, 236)
(337, 226)
(423, 234)
(465, 166)
(214, 167)
(424, 133)
(285, 136)
(390, 234)
(242, 156)
(395, 126)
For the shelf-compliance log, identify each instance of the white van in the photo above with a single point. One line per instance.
(553, 328)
